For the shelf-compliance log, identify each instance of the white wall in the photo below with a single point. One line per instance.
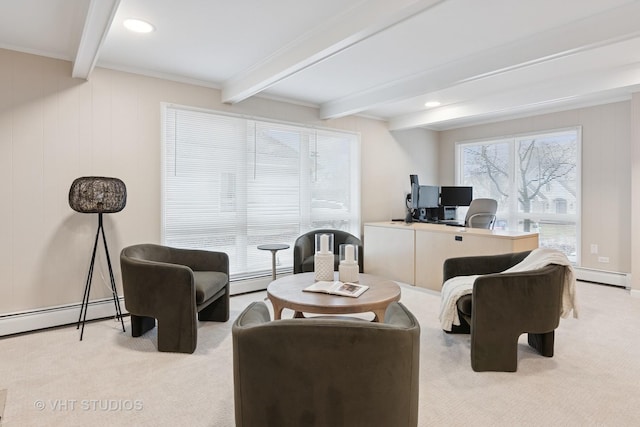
(606, 173)
(54, 129)
(635, 194)
(415, 152)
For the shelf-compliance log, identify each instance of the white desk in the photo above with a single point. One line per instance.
(414, 253)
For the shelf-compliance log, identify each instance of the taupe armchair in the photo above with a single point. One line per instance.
(504, 306)
(325, 371)
(174, 286)
(304, 249)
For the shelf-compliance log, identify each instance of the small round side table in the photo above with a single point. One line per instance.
(275, 247)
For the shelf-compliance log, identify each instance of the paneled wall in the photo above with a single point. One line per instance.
(606, 173)
(54, 129)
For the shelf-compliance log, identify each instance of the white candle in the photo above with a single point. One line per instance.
(349, 254)
(324, 243)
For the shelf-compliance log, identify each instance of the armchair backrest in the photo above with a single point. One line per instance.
(304, 246)
(324, 371)
(197, 260)
(148, 252)
(480, 264)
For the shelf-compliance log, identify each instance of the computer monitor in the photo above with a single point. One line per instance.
(456, 196)
(423, 196)
(428, 196)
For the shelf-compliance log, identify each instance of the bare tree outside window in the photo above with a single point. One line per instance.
(542, 162)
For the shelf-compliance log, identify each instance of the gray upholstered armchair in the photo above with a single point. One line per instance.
(173, 286)
(304, 249)
(325, 371)
(504, 306)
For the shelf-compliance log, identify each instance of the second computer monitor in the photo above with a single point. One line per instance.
(456, 196)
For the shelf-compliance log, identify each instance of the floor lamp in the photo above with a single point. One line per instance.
(98, 194)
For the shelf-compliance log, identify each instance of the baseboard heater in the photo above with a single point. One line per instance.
(32, 320)
(605, 277)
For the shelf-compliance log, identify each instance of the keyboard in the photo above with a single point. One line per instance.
(452, 223)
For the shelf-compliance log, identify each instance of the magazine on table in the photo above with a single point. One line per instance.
(337, 287)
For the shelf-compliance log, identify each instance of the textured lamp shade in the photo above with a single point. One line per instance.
(97, 194)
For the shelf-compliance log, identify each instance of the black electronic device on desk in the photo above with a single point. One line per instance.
(436, 205)
(456, 196)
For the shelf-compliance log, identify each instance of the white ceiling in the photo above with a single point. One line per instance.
(482, 60)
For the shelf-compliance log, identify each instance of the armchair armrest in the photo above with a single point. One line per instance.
(510, 298)
(398, 315)
(154, 282)
(507, 305)
(255, 314)
(484, 264)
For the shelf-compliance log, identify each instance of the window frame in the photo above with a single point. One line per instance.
(305, 220)
(513, 212)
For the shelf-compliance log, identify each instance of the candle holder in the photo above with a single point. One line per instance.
(348, 268)
(323, 258)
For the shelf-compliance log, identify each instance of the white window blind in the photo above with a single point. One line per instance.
(232, 183)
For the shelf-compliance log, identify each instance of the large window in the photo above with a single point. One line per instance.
(232, 183)
(536, 180)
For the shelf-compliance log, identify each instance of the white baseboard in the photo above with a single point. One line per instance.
(606, 277)
(249, 285)
(32, 320)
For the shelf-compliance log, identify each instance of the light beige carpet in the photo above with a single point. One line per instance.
(112, 379)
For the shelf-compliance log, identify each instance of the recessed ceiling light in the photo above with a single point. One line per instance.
(432, 104)
(138, 26)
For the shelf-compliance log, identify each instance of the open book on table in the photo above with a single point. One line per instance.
(346, 289)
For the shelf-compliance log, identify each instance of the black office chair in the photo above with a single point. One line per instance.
(481, 213)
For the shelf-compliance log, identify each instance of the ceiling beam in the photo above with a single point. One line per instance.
(616, 25)
(357, 24)
(96, 26)
(543, 95)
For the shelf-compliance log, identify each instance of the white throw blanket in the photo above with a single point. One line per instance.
(457, 287)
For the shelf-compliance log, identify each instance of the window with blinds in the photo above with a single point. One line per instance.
(232, 183)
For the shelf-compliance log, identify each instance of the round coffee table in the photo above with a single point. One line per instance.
(287, 292)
